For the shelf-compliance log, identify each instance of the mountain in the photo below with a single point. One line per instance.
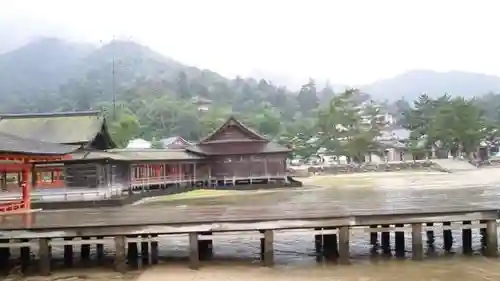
(51, 68)
(413, 83)
(39, 67)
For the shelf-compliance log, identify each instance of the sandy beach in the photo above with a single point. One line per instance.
(444, 269)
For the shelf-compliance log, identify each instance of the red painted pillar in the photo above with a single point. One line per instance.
(26, 188)
(58, 178)
(157, 170)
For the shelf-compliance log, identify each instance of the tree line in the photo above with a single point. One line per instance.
(351, 125)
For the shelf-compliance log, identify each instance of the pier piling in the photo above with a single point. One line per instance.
(385, 238)
(100, 250)
(344, 251)
(120, 262)
(68, 253)
(44, 256)
(467, 238)
(491, 238)
(145, 251)
(268, 248)
(85, 250)
(154, 250)
(417, 247)
(399, 238)
(447, 237)
(25, 256)
(374, 236)
(194, 255)
(4, 254)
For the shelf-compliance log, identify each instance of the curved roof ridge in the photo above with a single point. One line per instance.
(51, 114)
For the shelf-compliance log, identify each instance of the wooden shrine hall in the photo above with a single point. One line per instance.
(231, 155)
(85, 129)
(17, 155)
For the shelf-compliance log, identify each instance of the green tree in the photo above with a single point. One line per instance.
(308, 98)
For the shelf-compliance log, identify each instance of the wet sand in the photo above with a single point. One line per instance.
(474, 269)
(443, 269)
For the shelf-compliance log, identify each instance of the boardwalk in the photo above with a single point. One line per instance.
(378, 195)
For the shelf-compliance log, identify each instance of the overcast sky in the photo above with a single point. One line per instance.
(349, 41)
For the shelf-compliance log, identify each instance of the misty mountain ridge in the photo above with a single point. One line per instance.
(413, 83)
(48, 65)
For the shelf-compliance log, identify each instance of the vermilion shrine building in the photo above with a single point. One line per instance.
(232, 154)
(17, 155)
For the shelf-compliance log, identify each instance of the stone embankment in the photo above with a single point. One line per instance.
(420, 165)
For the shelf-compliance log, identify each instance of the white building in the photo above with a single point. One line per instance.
(139, 143)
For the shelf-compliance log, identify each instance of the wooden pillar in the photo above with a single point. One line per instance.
(344, 252)
(44, 256)
(4, 181)
(467, 238)
(145, 250)
(447, 237)
(194, 172)
(210, 173)
(85, 250)
(100, 250)
(491, 238)
(374, 236)
(26, 188)
(386, 241)
(154, 250)
(268, 247)
(58, 176)
(33, 177)
(120, 262)
(25, 256)
(399, 242)
(4, 254)
(194, 255)
(157, 170)
(68, 253)
(417, 247)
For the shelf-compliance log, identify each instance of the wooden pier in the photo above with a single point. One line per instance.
(332, 218)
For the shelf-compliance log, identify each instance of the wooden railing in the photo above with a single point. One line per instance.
(66, 195)
(163, 179)
(11, 206)
(182, 179)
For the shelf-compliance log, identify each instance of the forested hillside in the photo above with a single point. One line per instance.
(155, 96)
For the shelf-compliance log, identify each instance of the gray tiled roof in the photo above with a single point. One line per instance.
(64, 128)
(15, 144)
(144, 154)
